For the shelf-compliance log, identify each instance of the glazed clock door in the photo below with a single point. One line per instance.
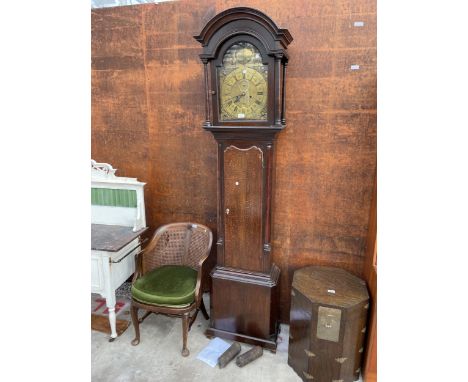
(243, 190)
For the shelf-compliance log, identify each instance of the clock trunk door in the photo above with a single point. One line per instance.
(243, 190)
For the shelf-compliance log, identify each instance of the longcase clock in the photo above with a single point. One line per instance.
(245, 58)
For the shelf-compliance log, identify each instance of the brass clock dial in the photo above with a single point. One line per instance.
(243, 82)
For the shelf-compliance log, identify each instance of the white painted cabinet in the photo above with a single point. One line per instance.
(117, 221)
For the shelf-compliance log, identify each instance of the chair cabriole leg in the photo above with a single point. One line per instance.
(144, 316)
(192, 319)
(203, 309)
(136, 325)
(185, 327)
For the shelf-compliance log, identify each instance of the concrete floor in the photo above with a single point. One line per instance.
(158, 358)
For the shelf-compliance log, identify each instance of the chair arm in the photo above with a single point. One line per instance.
(139, 257)
(138, 265)
(198, 289)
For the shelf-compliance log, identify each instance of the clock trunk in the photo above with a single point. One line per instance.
(243, 202)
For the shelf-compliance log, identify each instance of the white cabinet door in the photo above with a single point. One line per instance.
(97, 274)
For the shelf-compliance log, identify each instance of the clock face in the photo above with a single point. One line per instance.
(243, 82)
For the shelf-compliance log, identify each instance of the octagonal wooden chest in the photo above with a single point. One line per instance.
(328, 317)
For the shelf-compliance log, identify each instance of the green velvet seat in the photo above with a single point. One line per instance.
(169, 285)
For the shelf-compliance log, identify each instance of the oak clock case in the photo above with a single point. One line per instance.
(244, 57)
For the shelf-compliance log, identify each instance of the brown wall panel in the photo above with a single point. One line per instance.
(370, 275)
(243, 190)
(148, 108)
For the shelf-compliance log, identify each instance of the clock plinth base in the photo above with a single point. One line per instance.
(267, 344)
(244, 306)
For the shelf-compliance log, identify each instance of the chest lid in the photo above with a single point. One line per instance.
(330, 286)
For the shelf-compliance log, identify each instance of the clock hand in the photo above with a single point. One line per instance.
(236, 98)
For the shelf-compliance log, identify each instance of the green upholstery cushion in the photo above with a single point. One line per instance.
(170, 285)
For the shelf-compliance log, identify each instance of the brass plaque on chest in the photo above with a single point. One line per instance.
(328, 324)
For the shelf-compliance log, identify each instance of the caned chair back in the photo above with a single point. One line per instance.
(178, 244)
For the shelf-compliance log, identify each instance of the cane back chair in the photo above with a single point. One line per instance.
(168, 276)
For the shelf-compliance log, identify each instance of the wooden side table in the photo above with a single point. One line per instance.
(328, 317)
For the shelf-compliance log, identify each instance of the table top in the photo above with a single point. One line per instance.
(112, 238)
(330, 285)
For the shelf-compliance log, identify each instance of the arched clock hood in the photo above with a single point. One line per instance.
(240, 25)
(247, 21)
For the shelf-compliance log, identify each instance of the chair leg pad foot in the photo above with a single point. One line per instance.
(135, 342)
(185, 352)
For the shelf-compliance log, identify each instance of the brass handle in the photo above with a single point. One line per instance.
(227, 211)
(307, 375)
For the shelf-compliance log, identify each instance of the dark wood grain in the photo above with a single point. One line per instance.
(300, 332)
(370, 275)
(246, 307)
(316, 283)
(241, 308)
(243, 183)
(312, 355)
(148, 105)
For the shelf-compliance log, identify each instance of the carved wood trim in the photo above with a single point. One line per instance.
(256, 278)
(281, 35)
(104, 170)
(234, 147)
